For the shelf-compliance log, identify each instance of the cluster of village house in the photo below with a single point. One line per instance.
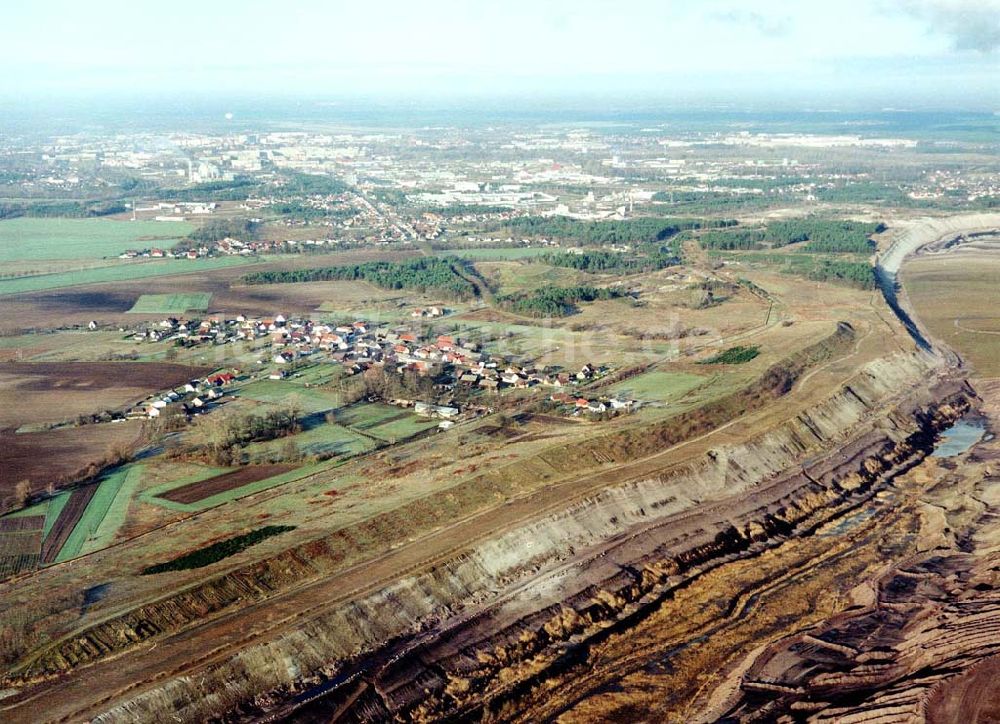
(361, 345)
(193, 396)
(228, 247)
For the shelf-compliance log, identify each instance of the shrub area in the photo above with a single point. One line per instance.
(217, 551)
(733, 356)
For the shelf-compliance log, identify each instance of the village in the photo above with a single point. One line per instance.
(453, 366)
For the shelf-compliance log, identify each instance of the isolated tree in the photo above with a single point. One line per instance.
(22, 491)
(290, 451)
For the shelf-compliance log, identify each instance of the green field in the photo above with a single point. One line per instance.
(383, 421)
(122, 272)
(658, 386)
(402, 428)
(229, 495)
(114, 515)
(53, 507)
(90, 523)
(38, 239)
(324, 439)
(316, 374)
(171, 303)
(285, 392)
(369, 414)
(521, 252)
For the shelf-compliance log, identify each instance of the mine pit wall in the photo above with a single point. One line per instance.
(544, 584)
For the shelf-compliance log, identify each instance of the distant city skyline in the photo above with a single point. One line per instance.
(886, 52)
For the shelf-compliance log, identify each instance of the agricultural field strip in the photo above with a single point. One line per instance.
(117, 510)
(53, 509)
(93, 515)
(178, 303)
(150, 495)
(20, 543)
(63, 527)
(29, 239)
(13, 524)
(244, 490)
(125, 271)
(382, 422)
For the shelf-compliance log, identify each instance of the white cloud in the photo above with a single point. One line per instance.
(767, 25)
(970, 24)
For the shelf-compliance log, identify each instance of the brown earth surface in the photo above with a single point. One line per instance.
(194, 492)
(28, 522)
(58, 456)
(110, 302)
(49, 392)
(971, 698)
(69, 516)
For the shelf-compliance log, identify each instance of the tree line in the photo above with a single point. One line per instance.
(629, 231)
(825, 236)
(609, 261)
(425, 274)
(822, 236)
(554, 301)
(69, 209)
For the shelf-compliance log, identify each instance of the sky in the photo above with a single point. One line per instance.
(928, 52)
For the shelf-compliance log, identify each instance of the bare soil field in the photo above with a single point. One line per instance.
(57, 455)
(970, 697)
(54, 392)
(202, 489)
(28, 522)
(69, 516)
(110, 302)
(957, 297)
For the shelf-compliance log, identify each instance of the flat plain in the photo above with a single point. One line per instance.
(957, 296)
(51, 239)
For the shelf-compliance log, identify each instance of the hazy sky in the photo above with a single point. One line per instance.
(821, 49)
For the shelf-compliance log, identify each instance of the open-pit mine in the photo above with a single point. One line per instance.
(803, 543)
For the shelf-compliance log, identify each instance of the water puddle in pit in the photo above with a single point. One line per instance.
(848, 523)
(959, 438)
